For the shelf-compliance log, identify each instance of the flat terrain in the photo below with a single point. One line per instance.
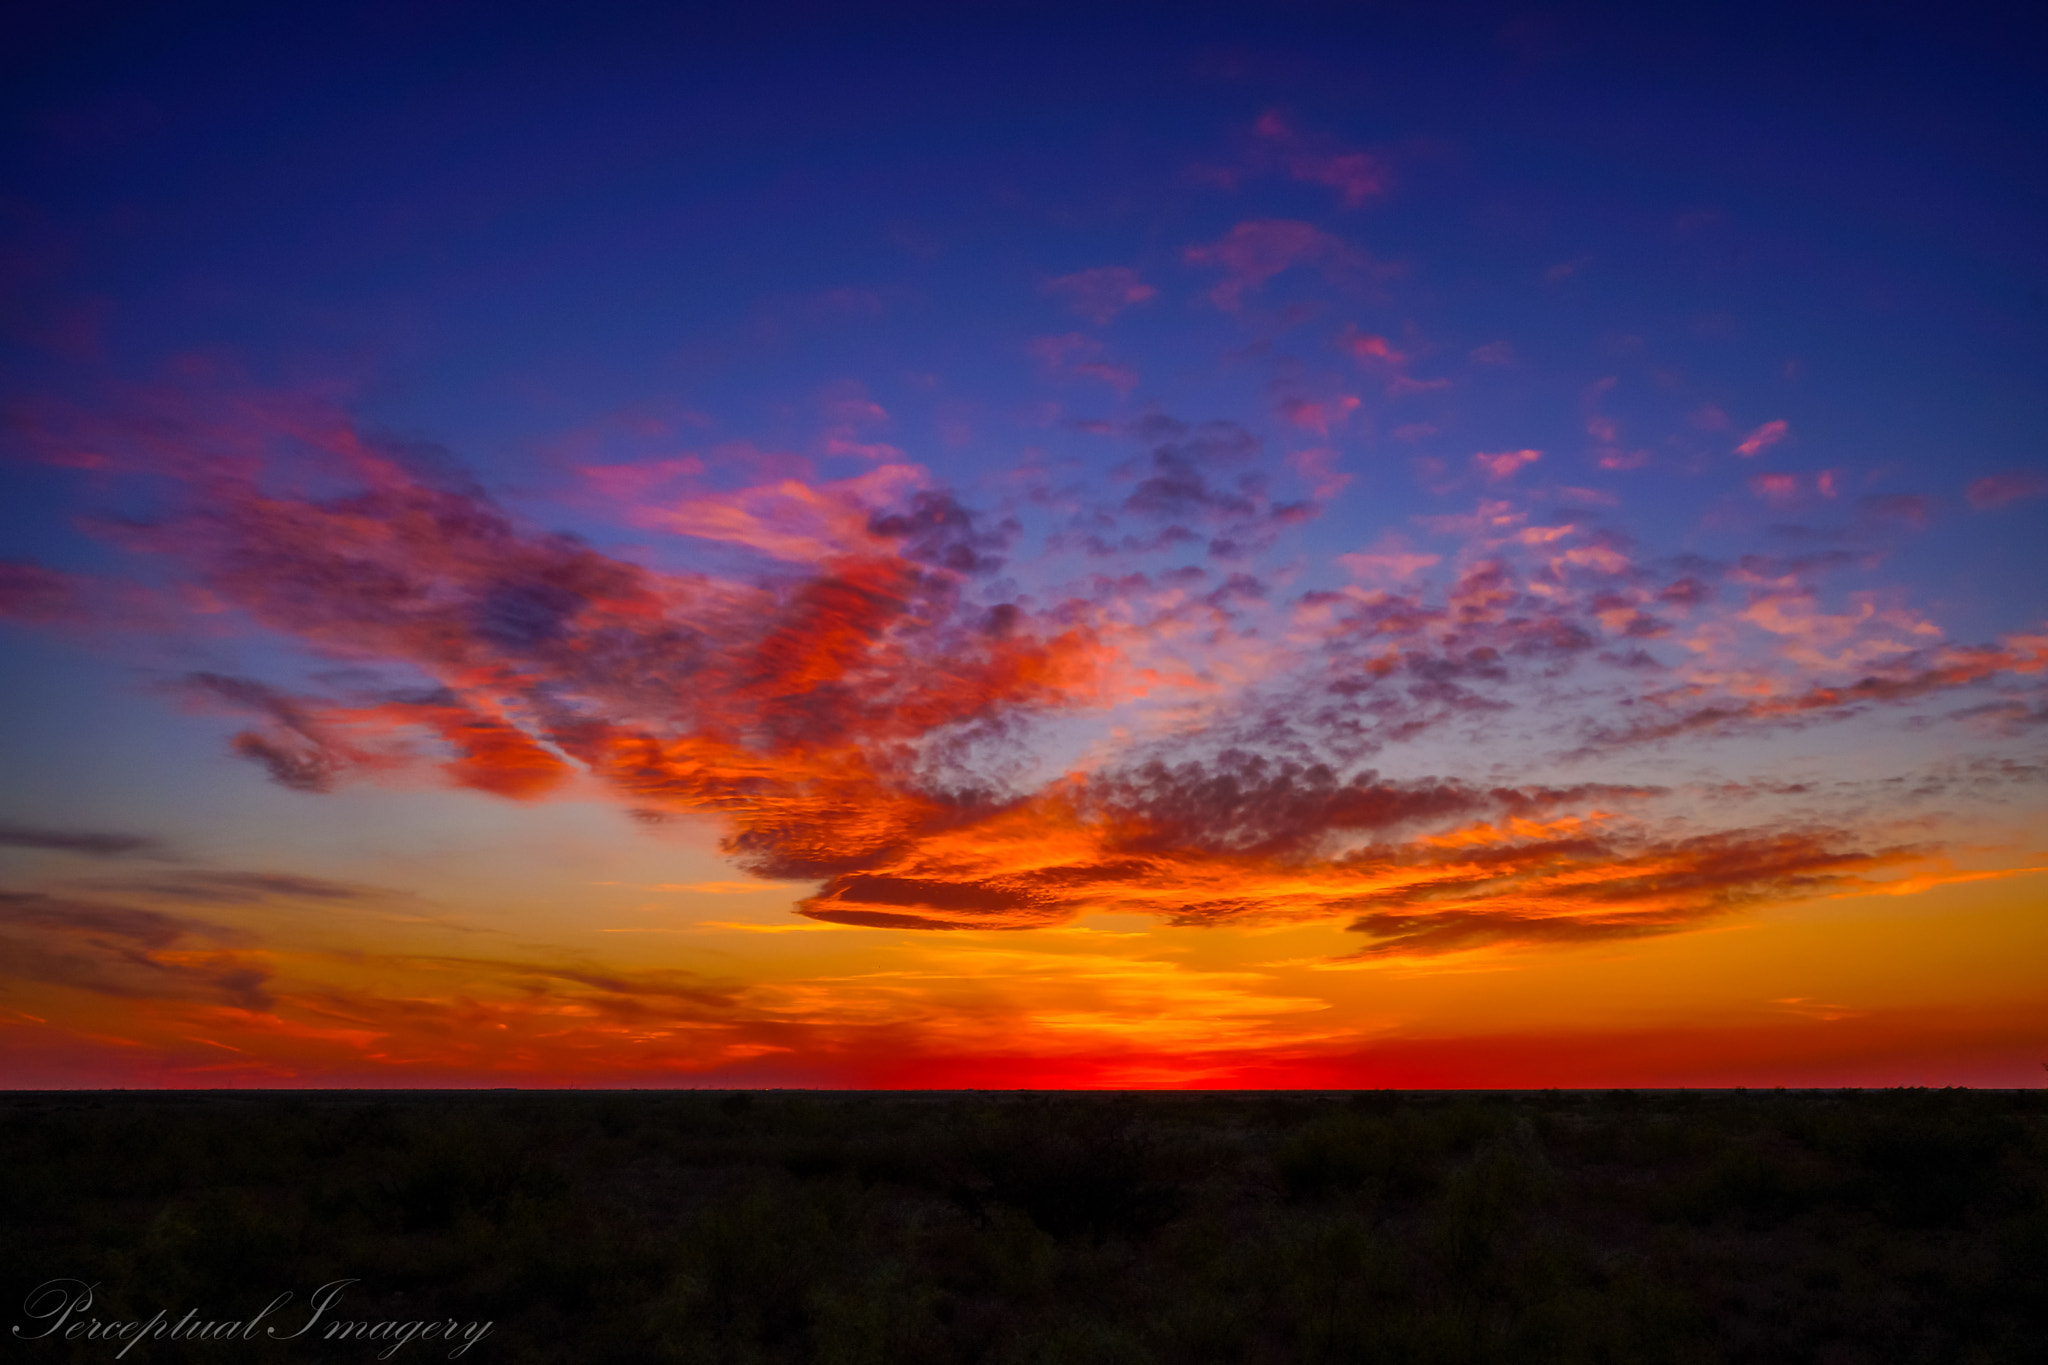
(1831, 1227)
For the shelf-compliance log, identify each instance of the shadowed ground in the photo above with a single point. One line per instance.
(1833, 1227)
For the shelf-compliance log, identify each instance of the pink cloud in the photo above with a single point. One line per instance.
(1606, 432)
(30, 592)
(1762, 439)
(1253, 252)
(848, 409)
(1320, 416)
(1366, 348)
(1503, 463)
(1318, 466)
(631, 482)
(1076, 354)
(1391, 563)
(1592, 497)
(1996, 490)
(1907, 509)
(1356, 176)
(862, 450)
(789, 520)
(1776, 489)
(1100, 294)
(1494, 353)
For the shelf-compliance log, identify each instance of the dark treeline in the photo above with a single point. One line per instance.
(1829, 1227)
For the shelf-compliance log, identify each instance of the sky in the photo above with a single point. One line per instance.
(1301, 546)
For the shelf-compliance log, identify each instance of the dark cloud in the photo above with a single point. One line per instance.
(1179, 484)
(1641, 889)
(238, 888)
(1919, 674)
(126, 951)
(936, 530)
(92, 843)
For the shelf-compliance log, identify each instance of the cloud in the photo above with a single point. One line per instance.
(126, 951)
(2014, 485)
(789, 519)
(1320, 415)
(859, 703)
(849, 413)
(1080, 355)
(1393, 563)
(1427, 867)
(1100, 294)
(1369, 349)
(1779, 490)
(1318, 466)
(92, 843)
(1762, 439)
(1903, 509)
(1631, 891)
(201, 887)
(1503, 463)
(30, 592)
(1605, 432)
(1252, 253)
(1356, 176)
(1908, 676)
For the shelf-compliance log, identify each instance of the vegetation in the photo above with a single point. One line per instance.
(1831, 1227)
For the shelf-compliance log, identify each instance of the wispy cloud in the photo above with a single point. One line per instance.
(1100, 294)
(1763, 438)
(1252, 253)
(2015, 485)
(91, 843)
